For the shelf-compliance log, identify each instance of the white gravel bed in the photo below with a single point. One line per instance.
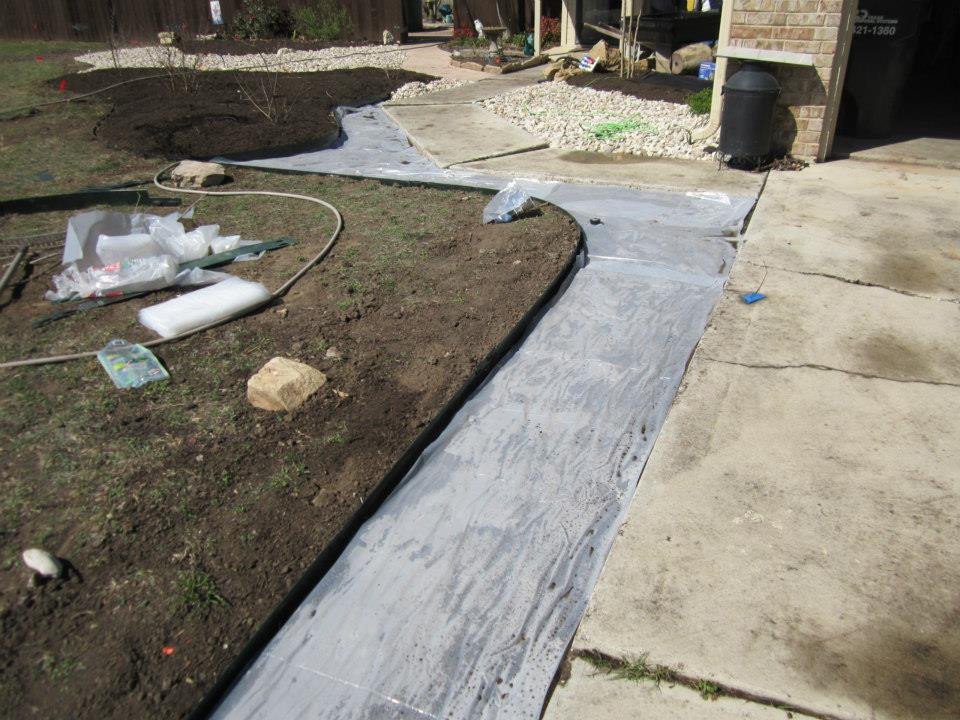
(284, 60)
(569, 116)
(416, 89)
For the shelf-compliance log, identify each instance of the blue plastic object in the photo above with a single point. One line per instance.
(751, 298)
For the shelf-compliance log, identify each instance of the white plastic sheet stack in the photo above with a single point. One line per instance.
(202, 307)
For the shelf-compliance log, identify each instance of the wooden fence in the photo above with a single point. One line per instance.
(517, 15)
(141, 20)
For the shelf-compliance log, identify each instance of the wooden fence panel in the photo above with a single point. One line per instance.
(513, 14)
(141, 20)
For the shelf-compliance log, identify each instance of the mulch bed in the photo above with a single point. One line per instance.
(202, 114)
(655, 86)
(188, 513)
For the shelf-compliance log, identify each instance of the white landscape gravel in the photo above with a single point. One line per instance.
(284, 60)
(416, 89)
(601, 121)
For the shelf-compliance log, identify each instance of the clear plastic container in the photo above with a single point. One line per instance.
(130, 365)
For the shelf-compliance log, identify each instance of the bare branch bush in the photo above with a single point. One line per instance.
(260, 90)
(182, 70)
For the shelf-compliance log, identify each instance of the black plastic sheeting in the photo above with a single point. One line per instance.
(458, 597)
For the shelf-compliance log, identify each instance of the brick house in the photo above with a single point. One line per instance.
(807, 44)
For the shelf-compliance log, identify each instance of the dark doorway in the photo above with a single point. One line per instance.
(903, 102)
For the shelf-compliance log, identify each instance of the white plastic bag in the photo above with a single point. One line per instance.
(117, 248)
(128, 276)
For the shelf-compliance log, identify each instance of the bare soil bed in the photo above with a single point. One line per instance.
(185, 114)
(187, 513)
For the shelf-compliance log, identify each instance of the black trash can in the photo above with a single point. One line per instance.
(746, 123)
(881, 56)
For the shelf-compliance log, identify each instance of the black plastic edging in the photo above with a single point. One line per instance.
(83, 199)
(334, 549)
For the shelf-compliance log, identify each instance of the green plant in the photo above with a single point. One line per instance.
(261, 19)
(59, 669)
(707, 689)
(549, 31)
(198, 590)
(609, 130)
(700, 102)
(322, 20)
(635, 671)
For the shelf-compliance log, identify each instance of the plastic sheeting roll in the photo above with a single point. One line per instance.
(202, 307)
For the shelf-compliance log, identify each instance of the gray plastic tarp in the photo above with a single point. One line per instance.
(460, 596)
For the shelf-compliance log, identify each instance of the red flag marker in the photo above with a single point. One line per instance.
(63, 84)
(39, 58)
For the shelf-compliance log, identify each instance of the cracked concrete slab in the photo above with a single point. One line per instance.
(627, 700)
(887, 225)
(453, 134)
(872, 331)
(795, 536)
(647, 173)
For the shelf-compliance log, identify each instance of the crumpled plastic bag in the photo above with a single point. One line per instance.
(127, 276)
(508, 204)
(101, 237)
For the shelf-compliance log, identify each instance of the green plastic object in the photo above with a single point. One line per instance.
(130, 365)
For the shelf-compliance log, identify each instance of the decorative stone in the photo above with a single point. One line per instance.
(42, 563)
(192, 173)
(388, 38)
(283, 384)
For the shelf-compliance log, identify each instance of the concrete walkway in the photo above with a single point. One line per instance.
(455, 133)
(795, 532)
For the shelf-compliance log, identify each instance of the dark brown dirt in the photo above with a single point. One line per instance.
(202, 114)
(187, 513)
(655, 86)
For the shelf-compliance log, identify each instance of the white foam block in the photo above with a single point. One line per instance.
(204, 306)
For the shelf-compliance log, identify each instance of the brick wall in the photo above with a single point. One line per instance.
(807, 106)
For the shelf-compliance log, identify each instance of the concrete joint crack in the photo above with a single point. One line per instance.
(840, 278)
(709, 689)
(827, 368)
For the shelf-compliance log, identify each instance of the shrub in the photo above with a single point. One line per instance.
(463, 32)
(261, 19)
(701, 102)
(322, 20)
(549, 31)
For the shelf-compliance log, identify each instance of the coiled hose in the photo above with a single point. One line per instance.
(279, 292)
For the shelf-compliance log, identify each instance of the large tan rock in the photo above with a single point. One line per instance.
(194, 174)
(283, 384)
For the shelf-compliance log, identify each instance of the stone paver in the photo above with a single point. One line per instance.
(452, 134)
